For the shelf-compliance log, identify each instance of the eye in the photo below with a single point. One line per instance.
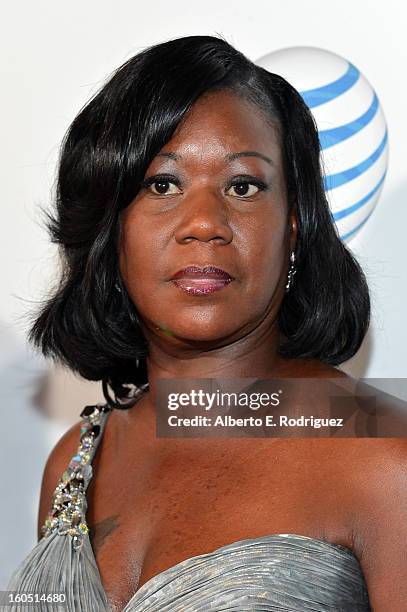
(162, 185)
(246, 187)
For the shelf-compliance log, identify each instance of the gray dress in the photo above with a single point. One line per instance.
(278, 572)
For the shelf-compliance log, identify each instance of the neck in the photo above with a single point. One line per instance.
(252, 356)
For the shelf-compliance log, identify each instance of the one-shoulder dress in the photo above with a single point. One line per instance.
(278, 572)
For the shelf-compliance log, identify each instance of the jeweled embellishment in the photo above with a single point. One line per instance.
(69, 504)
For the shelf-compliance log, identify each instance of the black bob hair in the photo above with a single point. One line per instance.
(93, 328)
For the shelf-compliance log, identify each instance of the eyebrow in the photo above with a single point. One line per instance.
(228, 157)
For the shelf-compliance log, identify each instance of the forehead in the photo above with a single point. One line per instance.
(222, 122)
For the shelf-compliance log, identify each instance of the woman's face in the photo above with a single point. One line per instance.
(214, 196)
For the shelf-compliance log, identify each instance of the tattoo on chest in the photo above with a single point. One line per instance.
(102, 530)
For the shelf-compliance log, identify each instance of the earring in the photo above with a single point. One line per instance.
(292, 270)
(117, 287)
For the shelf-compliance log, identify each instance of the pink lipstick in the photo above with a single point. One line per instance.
(197, 280)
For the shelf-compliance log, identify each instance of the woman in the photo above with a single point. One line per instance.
(193, 159)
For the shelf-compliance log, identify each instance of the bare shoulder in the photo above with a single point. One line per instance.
(380, 470)
(55, 466)
(380, 519)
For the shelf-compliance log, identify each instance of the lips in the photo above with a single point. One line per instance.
(201, 280)
(206, 272)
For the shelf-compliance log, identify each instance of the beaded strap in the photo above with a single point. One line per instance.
(69, 504)
(68, 513)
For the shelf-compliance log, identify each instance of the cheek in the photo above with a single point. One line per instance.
(262, 252)
(139, 256)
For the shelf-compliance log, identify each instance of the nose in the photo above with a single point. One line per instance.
(204, 217)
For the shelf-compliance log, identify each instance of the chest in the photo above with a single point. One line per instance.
(149, 511)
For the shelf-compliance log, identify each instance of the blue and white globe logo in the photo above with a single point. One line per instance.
(351, 125)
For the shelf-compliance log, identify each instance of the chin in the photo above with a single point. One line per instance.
(198, 332)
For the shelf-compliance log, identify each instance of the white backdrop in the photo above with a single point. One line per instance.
(53, 58)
